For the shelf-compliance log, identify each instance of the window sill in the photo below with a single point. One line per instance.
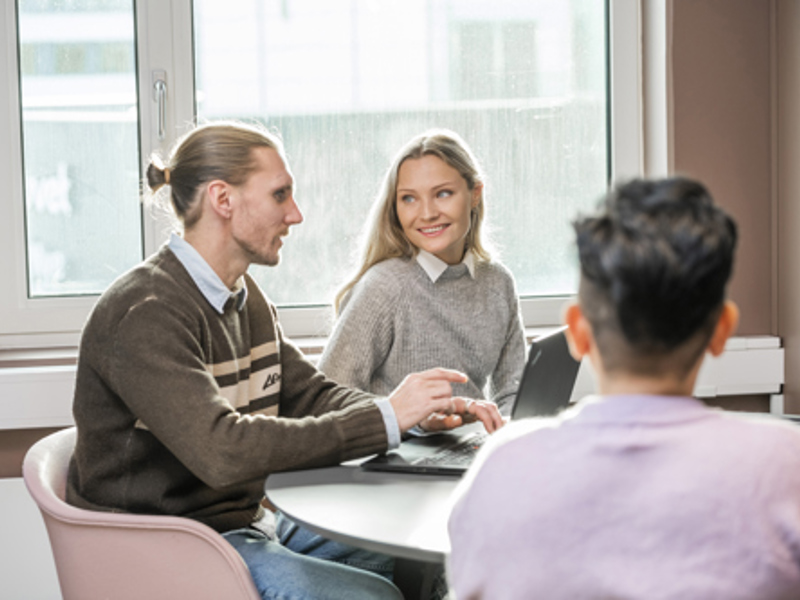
(16, 358)
(38, 357)
(36, 386)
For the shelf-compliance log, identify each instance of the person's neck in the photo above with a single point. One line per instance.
(645, 386)
(217, 252)
(621, 382)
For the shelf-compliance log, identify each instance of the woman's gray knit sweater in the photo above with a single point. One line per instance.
(397, 321)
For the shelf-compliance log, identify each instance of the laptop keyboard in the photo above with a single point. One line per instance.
(459, 454)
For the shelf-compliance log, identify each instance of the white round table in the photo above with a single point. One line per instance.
(394, 513)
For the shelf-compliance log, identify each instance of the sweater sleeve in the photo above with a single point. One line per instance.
(307, 390)
(505, 378)
(157, 370)
(363, 335)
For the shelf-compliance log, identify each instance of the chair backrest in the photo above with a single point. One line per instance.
(124, 556)
(548, 379)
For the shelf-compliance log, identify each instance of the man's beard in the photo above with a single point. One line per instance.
(269, 258)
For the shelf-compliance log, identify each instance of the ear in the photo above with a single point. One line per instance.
(578, 332)
(477, 192)
(725, 328)
(219, 197)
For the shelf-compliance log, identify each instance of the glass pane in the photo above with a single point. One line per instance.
(80, 143)
(347, 82)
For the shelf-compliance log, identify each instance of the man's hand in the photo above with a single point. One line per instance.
(421, 394)
(463, 411)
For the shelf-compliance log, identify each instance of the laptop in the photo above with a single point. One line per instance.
(545, 389)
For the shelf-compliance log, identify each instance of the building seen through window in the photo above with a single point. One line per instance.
(345, 83)
(80, 143)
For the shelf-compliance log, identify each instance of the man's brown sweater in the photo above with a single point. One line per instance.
(183, 411)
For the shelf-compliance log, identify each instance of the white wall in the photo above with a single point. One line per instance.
(27, 571)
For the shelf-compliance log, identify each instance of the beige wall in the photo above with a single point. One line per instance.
(788, 168)
(14, 444)
(736, 126)
(722, 131)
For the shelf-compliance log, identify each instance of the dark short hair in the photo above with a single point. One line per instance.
(655, 262)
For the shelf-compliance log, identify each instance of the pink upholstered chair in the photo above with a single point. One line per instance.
(123, 556)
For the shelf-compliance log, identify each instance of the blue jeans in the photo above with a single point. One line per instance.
(303, 565)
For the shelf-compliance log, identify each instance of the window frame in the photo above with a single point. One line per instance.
(164, 40)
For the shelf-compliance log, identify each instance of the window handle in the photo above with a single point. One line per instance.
(160, 97)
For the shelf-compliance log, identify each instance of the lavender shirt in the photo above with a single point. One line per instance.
(632, 497)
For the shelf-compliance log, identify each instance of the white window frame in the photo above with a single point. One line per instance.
(164, 42)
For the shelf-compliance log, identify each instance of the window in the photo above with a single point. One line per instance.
(345, 82)
(80, 144)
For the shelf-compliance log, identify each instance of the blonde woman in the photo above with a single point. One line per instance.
(427, 291)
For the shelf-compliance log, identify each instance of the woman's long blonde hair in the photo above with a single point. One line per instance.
(384, 236)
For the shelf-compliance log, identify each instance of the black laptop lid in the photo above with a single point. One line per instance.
(549, 377)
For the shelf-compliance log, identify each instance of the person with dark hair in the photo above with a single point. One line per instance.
(641, 491)
(188, 395)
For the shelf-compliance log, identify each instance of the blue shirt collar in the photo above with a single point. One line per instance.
(204, 277)
(435, 266)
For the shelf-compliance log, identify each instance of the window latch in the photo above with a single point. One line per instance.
(160, 97)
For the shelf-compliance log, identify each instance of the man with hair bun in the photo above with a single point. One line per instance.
(188, 395)
(641, 491)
